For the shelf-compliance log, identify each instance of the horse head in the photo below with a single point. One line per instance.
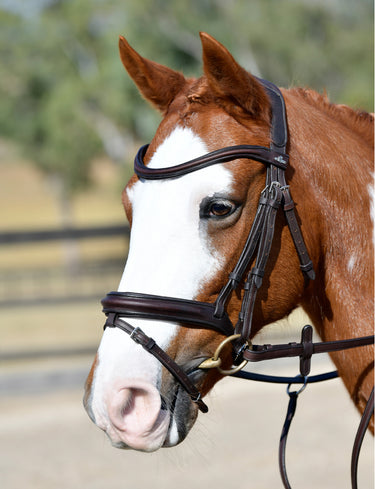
(187, 234)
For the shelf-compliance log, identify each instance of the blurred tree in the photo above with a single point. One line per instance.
(65, 97)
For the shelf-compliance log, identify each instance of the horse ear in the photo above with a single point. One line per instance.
(157, 83)
(228, 79)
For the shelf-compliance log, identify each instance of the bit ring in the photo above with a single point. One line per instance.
(215, 361)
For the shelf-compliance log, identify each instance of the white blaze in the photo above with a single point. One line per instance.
(168, 256)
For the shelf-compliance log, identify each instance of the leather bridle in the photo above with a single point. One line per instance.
(194, 314)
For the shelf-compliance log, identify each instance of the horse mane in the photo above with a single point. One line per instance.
(358, 121)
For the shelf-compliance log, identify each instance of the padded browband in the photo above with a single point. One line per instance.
(145, 306)
(223, 155)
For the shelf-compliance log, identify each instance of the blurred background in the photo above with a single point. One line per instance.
(70, 124)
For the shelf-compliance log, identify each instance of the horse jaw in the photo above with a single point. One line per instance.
(130, 397)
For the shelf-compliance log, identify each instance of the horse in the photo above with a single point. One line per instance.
(188, 232)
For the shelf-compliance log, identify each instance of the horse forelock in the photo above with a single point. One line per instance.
(216, 117)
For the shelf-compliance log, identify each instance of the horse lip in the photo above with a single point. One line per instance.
(173, 403)
(164, 405)
(194, 370)
(177, 397)
(181, 419)
(197, 375)
(192, 367)
(119, 444)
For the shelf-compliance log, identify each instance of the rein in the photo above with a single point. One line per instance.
(194, 314)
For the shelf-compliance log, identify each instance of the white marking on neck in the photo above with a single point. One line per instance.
(351, 263)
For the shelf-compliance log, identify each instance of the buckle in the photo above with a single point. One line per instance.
(135, 335)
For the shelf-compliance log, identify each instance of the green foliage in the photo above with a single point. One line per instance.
(61, 77)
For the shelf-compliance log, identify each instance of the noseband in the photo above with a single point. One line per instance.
(194, 314)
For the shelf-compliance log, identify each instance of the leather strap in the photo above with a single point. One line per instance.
(137, 335)
(257, 153)
(255, 277)
(280, 379)
(292, 406)
(279, 140)
(279, 131)
(146, 306)
(362, 428)
(306, 264)
(259, 353)
(243, 263)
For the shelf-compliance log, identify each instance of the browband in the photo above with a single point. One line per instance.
(223, 155)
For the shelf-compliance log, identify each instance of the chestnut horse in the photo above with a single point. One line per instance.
(187, 234)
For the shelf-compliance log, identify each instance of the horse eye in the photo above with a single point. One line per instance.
(221, 209)
(218, 208)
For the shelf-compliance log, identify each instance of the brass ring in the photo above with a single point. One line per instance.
(218, 351)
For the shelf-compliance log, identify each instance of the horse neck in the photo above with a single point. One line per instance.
(332, 183)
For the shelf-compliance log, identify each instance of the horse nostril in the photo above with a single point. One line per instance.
(132, 403)
(138, 416)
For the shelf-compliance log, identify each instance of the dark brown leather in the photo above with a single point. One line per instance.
(279, 130)
(255, 277)
(145, 306)
(258, 353)
(244, 261)
(292, 406)
(257, 153)
(362, 428)
(306, 264)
